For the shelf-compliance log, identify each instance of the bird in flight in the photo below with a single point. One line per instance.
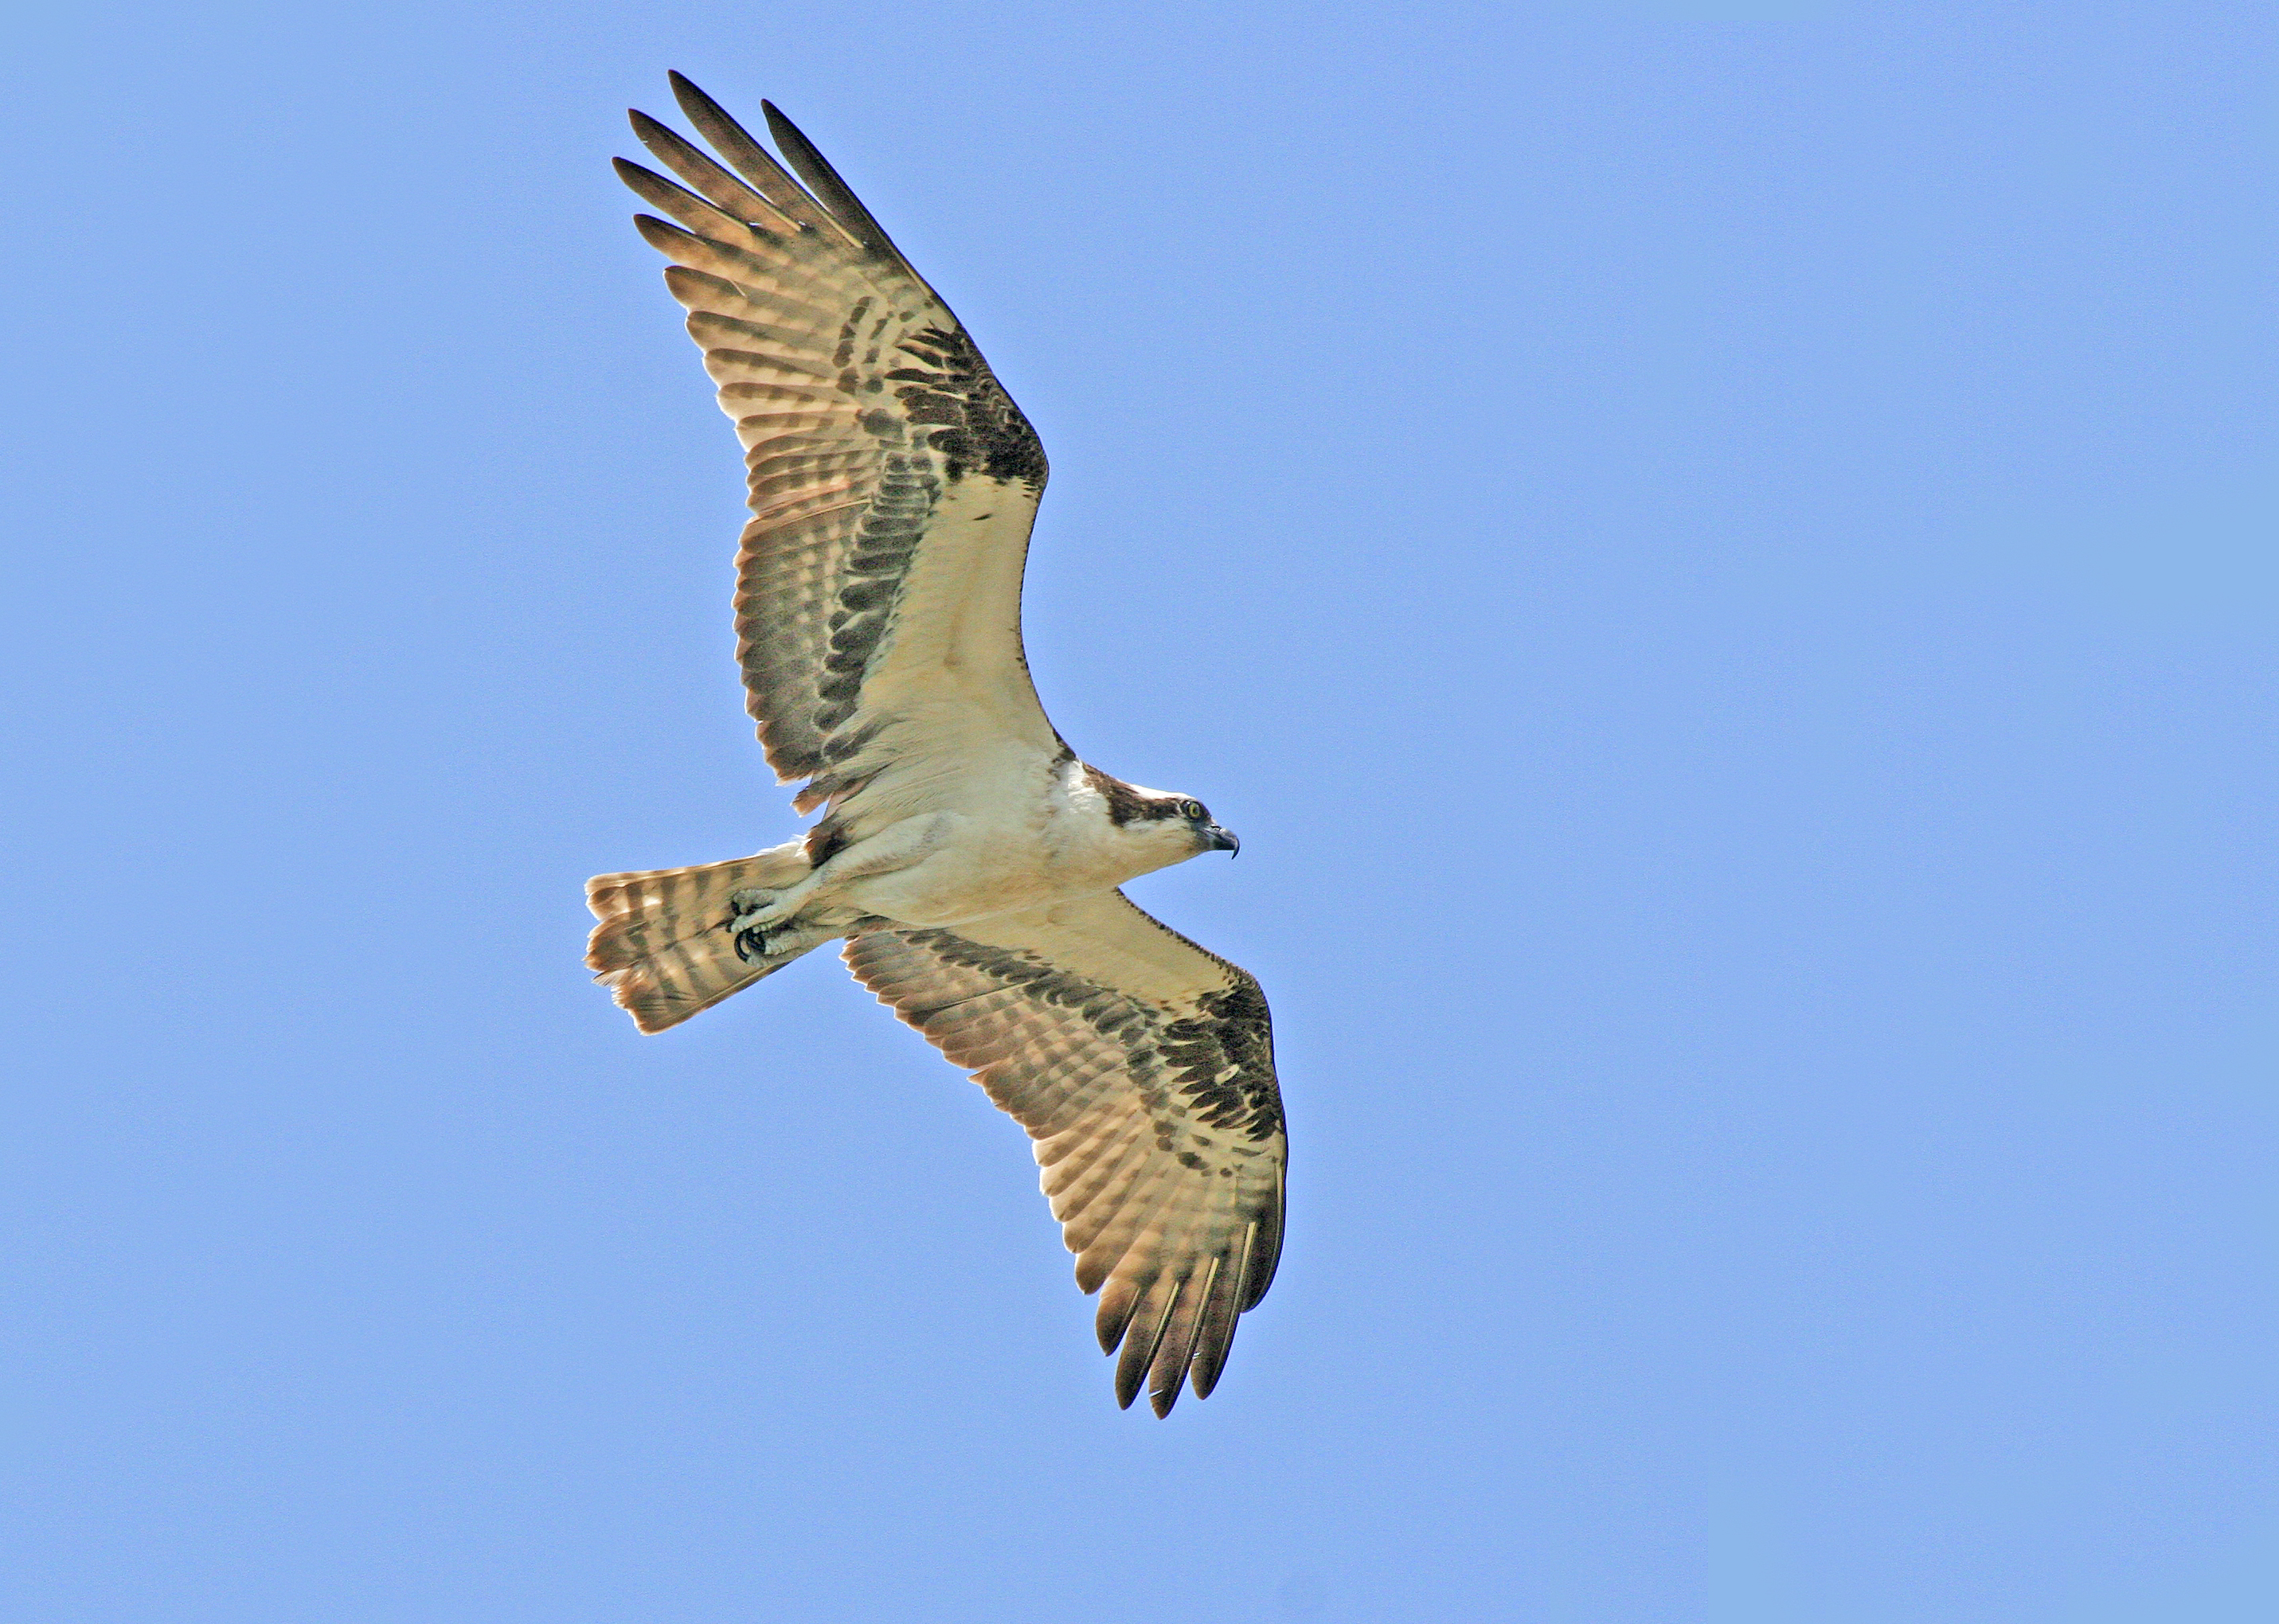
(966, 856)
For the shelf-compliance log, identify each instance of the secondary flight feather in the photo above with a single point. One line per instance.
(967, 858)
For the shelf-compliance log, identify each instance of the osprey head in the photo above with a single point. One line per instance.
(1208, 835)
(1161, 828)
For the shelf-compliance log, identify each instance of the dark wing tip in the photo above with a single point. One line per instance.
(1266, 1255)
(698, 106)
(661, 235)
(1205, 1375)
(808, 162)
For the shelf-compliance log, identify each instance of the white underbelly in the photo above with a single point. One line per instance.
(938, 893)
(980, 875)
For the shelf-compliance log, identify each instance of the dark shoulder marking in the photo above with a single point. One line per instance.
(1222, 1057)
(971, 419)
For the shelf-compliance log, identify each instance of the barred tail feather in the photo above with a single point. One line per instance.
(661, 948)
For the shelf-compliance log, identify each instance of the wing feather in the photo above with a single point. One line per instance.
(1149, 1321)
(723, 191)
(838, 197)
(1216, 1334)
(1142, 1068)
(752, 161)
(1167, 1372)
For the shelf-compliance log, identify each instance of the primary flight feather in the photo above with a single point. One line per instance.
(966, 856)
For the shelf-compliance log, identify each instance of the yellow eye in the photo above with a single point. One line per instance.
(1193, 808)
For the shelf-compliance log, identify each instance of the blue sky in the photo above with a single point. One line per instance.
(1720, 559)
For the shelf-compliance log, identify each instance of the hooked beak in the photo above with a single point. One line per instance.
(1221, 840)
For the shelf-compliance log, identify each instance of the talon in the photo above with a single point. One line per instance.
(751, 914)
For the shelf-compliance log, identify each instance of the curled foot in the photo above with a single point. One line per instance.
(750, 915)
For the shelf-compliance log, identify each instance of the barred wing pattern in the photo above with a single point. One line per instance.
(892, 481)
(1143, 1068)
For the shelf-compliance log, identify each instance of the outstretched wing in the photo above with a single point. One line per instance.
(1143, 1068)
(892, 481)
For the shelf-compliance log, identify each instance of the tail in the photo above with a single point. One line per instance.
(662, 949)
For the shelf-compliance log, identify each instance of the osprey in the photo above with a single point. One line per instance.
(966, 856)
